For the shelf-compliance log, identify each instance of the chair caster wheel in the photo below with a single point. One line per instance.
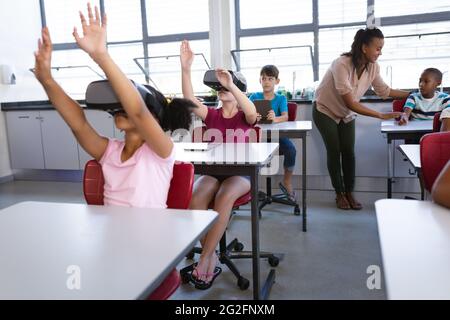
(274, 261)
(296, 211)
(238, 247)
(243, 283)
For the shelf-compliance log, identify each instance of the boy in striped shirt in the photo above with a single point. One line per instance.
(424, 104)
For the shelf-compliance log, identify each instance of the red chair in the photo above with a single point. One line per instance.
(180, 193)
(397, 105)
(292, 111)
(434, 154)
(233, 250)
(437, 122)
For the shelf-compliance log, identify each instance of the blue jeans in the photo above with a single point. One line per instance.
(287, 149)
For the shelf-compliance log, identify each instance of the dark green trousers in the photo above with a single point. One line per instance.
(339, 141)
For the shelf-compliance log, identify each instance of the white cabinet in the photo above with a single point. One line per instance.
(103, 123)
(58, 142)
(42, 140)
(25, 139)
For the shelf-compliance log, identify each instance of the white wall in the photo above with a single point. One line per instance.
(18, 37)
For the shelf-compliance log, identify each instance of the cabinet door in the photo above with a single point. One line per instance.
(25, 140)
(103, 123)
(60, 145)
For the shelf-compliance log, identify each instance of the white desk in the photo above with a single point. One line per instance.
(294, 130)
(413, 130)
(412, 153)
(241, 159)
(415, 246)
(122, 253)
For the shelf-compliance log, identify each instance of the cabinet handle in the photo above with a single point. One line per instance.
(24, 117)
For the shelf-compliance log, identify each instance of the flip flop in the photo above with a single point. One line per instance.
(289, 196)
(203, 285)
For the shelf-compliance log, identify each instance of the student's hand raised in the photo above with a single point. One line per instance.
(43, 57)
(389, 115)
(94, 34)
(224, 78)
(186, 55)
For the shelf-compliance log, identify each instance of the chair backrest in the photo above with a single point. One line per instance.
(437, 122)
(434, 154)
(292, 111)
(397, 105)
(180, 190)
(198, 134)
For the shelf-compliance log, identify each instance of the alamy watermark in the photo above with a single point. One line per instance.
(374, 280)
(73, 282)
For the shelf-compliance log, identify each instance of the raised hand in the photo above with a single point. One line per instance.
(389, 115)
(186, 55)
(43, 57)
(224, 78)
(94, 34)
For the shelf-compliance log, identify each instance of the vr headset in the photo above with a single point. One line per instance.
(101, 96)
(211, 80)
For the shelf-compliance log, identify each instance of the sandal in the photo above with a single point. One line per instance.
(200, 284)
(342, 202)
(355, 205)
(290, 196)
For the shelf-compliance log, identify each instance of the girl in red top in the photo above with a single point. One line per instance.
(236, 112)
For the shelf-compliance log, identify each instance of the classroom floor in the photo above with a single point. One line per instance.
(329, 261)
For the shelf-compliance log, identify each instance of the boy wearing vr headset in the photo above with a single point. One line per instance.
(137, 171)
(236, 112)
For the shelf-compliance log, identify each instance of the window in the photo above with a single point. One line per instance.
(342, 11)
(177, 16)
(62, 16)
(267, 13)
(294, 64)
(124, 20)
(389, 8)
(406, 54)
(165, 70)
(127, 39)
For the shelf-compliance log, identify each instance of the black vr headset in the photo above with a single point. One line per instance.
(101, 96)
(211, 80)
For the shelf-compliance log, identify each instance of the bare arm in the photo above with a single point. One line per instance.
(441, 187)
(94, 144)
(243, 101)
(357, 107)
(186, 59)
(94, 43)
(445, 126)
(405, 116)
(398, 94)
(283, 118)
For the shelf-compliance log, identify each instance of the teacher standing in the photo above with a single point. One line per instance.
(337, 101)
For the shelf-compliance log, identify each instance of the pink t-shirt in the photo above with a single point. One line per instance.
(231, 130)
(141, 181)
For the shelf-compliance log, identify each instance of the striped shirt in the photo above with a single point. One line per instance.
(423, 108)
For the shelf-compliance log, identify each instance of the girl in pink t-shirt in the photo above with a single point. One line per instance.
(236, 112)
(138, 170)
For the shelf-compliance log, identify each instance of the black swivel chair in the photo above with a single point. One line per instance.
(268, 198)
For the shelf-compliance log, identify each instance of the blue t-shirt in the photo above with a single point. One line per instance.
(279, 102)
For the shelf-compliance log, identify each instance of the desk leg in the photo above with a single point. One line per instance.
(255, 234)
(390, 164)
(304, 182)
(258, 294)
